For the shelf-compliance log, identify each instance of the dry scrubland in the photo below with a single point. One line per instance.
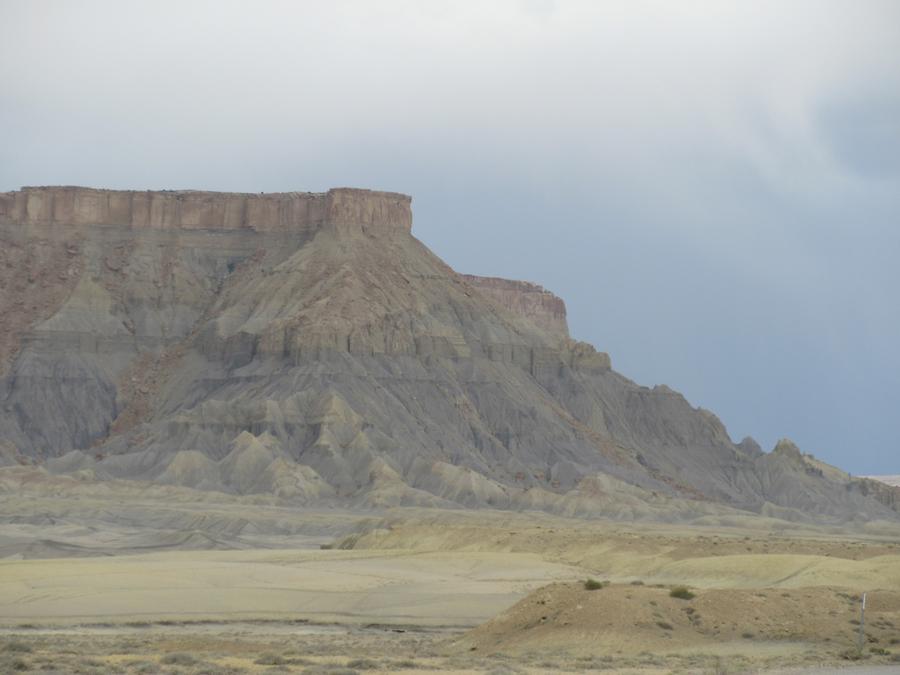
(426, 591)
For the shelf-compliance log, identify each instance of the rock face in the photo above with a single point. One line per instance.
(308, 346)
(196, 210)
(529, 300)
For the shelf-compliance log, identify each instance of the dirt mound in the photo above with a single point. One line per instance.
(630, 619)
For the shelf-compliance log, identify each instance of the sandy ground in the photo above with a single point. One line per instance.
(423, 589)
(168, 583)
(281, 648)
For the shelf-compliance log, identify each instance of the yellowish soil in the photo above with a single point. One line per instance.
(426, 589)
(629, 620)
(701, 557)
(472, 592)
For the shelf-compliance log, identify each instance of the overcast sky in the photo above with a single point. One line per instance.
(713, 187)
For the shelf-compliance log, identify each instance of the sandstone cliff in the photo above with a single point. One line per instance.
(526, 299)
(308, 346)
(192, 209)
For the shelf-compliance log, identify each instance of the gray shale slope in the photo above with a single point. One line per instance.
(307, 346)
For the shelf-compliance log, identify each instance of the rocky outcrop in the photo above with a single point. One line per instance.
(307, 346)
(37, 275)
(750, 447)
(786, 449)
(525, 299)
(192, 209)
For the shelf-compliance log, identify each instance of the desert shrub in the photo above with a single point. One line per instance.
(594, 585)
(665, 625)
(13, 664)
(406, 663)
(17, 647)
(682, 593)
(298, 661)
(637, 582)
(852, 654)
(270, 659)
(87, 664)
(178, 659)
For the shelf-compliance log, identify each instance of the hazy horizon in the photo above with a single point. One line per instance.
(713, 189)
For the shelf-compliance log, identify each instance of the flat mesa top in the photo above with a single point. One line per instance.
(211, 193)
(200, 209)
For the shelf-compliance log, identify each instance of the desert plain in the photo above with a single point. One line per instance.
(212, 583)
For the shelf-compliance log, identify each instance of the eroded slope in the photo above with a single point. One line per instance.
(309, 347)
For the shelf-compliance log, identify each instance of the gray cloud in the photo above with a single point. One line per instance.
(713, 187)
(864, 133)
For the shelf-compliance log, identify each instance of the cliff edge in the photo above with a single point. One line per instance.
(191, 209)
(526, 299)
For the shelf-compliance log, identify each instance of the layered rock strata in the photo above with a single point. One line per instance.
(526, 299)
(193, 209)
(309, 347)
